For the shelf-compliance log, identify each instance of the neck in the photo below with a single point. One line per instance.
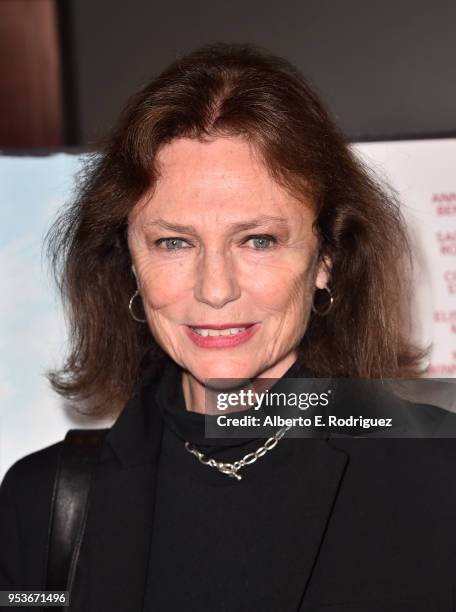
(197, 399)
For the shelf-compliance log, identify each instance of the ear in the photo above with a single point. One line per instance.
(323, 272)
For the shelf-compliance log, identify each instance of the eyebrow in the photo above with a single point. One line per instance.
(237, 226)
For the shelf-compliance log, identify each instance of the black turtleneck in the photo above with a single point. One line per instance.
(220, 544)
(189, 425)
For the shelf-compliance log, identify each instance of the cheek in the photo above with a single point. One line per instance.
(283, 286)
(162, 285)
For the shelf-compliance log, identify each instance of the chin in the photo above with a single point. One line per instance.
(221, 367)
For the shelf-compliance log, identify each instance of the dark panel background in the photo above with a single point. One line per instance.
(31, 110)
(384, 68)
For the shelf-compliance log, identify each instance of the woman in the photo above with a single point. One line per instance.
(226, 231)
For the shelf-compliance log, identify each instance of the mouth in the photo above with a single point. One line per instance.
(224, 329)
(221, 336)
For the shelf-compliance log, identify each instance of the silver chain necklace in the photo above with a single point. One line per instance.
(232, 469)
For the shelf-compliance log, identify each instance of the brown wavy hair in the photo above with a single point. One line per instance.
(243, 91)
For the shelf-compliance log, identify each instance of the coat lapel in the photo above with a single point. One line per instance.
(323, 469)
(112, 568)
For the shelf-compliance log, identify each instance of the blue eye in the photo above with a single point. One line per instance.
(171, 244)
(263, 242)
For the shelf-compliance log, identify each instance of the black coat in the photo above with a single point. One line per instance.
(378, 521)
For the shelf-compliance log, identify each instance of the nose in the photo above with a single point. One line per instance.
(216, 283)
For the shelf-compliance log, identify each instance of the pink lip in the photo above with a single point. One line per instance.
(222, 341)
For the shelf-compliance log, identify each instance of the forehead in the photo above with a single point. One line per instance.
(223, 176)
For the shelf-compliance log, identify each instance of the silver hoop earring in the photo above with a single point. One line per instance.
(130, 308)
(325, 310)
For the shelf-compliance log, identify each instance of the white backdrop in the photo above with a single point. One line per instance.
(32, 333)
(423, 173)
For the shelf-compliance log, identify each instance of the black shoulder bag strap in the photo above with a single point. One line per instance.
(78, 456)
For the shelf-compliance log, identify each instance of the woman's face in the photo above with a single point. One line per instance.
(219, 244)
